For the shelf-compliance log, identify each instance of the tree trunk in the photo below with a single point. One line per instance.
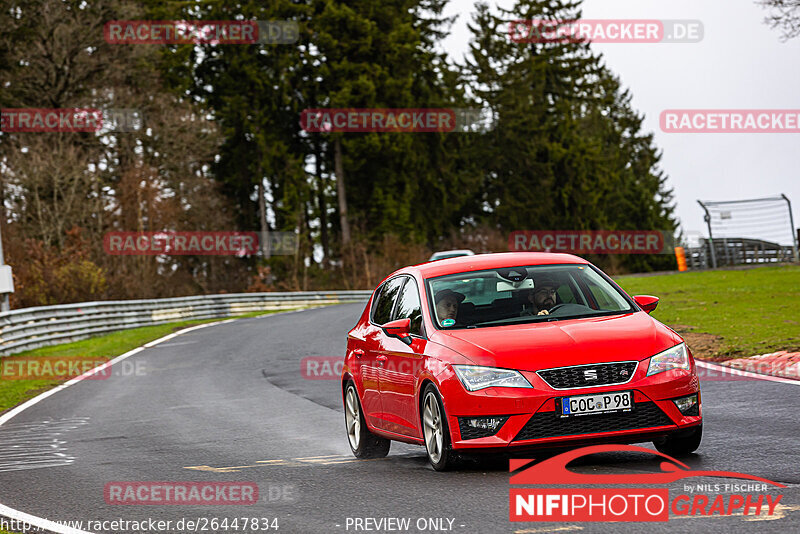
(340, 190)
(2, 198)
(262, 217)
(323, 209)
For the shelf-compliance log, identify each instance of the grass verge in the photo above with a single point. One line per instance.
(728, 314)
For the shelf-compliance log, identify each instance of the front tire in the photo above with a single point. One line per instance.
(363, 443)
(681, 444)
(435, 431)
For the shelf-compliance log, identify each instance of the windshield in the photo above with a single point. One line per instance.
(521, 295)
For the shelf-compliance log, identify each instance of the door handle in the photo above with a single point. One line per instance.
(358, 352)
(382, 359)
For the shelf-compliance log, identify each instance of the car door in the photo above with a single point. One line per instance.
(371, 360)
(402, 364)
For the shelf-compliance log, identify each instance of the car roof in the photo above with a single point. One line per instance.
(497, 260)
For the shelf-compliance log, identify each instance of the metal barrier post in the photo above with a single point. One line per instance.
(707, 218)
(794, 230)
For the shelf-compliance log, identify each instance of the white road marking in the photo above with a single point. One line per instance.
(36, 445)
(177, 344)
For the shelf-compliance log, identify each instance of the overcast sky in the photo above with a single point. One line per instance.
(740, 64)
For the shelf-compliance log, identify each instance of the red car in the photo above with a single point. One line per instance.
(499, 352)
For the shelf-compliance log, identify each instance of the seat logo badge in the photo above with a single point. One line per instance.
(590, 374)
(623, 372)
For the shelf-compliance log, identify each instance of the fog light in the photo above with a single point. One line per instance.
(486, 423)
(686, 404)
(480, 427)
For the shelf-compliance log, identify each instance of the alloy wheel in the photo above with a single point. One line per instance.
(434, 432)
(352, 418)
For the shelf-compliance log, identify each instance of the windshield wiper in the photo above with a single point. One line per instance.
(516, 320)
(546, 318)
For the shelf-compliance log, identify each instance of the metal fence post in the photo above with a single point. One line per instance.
(707, 218)
(794, 230)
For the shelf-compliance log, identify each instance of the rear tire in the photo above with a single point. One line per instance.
(436, 431)
(681, 444)
(363, 443)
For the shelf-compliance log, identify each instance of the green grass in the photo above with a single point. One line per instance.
(755, 311)
(14, 392)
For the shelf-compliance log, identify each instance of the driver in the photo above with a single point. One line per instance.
(542, 297)
(447, 302)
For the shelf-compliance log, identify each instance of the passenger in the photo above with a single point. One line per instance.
(447, 302)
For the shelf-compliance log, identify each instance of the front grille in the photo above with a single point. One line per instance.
(548, 424)
(582, 375)
(468, 432)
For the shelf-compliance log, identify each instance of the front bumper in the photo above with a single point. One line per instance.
(531, 419)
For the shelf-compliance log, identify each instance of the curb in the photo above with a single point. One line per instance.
(781, 364)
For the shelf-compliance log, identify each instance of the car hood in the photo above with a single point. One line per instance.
(531, 347)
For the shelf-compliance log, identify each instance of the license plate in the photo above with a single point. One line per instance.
(618, 401)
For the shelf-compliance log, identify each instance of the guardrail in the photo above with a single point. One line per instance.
(30, 328)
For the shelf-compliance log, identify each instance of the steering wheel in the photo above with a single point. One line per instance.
(554, 308)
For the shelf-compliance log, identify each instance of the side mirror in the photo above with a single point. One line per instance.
(646, 302)
(400, 328)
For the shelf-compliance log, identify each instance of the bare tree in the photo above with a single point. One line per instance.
(56, 185)
(56, 57)
(784, 14)
(48, 188)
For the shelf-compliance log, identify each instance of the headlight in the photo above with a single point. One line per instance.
(675, 358)
(474, 377)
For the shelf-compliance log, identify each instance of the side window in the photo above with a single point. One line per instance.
(409, 307)
(382, 312)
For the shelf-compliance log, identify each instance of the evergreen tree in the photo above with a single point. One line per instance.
(567, 151)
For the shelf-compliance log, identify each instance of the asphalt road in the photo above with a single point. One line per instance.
(229, 403)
